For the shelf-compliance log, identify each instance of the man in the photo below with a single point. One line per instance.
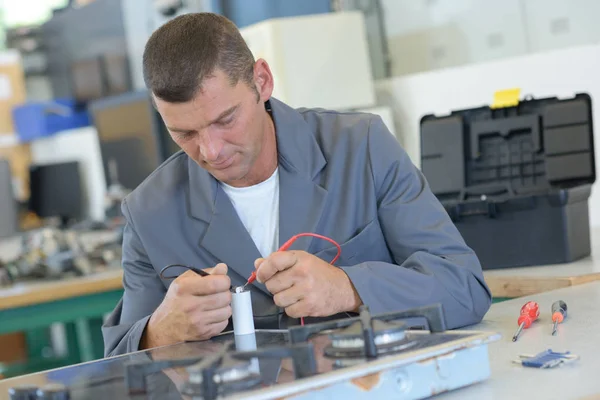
(255, 172)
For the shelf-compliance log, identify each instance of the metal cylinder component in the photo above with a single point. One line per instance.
(241, 309)
(248, 343)
(53, 391)
(23, 392)
(245, 342)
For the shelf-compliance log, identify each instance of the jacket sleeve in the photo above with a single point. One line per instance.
(143, 293)
(432, 263)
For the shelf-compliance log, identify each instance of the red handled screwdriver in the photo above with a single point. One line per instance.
(559, 313)
(529, 313)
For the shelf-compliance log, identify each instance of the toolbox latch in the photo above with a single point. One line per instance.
(506, 98)
(494, 189)
(485, 206)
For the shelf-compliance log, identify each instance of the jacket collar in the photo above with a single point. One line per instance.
(298, 149)
(301, 199)
(299, 153)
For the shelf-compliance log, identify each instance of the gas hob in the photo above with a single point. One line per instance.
(405, 355)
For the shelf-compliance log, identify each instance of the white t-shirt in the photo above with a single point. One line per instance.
(258, 209)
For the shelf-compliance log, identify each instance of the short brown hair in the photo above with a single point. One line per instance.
(189, 48)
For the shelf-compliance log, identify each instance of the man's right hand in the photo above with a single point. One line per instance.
(194, 308)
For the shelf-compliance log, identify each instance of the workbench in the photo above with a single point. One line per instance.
(577, 334)
(525, 281)
(508, 380)
(79, 303)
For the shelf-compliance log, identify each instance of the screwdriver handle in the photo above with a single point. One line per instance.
(524, 320)
(529, 313)
(559, 311)
(532, 309)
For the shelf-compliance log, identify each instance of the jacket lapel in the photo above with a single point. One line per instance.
(301, 199)
(301, 203)
(227, 239)
(224, 236)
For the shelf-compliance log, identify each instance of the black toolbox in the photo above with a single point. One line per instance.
(515, 180)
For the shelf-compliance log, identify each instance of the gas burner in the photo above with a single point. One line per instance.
(389, 338)
(385, 333)
(331, 359)
(353, 340)
(433, 316)
(224, 372)
(211, 377)
(228, 379)
(359, 339)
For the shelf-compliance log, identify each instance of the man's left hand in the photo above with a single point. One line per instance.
(304, 285)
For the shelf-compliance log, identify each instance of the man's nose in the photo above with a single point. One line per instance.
(210, 147)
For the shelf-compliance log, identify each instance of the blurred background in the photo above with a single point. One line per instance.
(77, 130)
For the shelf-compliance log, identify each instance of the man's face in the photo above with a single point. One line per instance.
(224, 128)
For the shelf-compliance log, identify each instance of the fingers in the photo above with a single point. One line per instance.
(194, 284)
(210, 323)
(288, 297)
(257, 262)
(281, 281)
(211, 285)
(214, 316)
(276, 262)
(219, 269)
(296, 310)
(216, 301)
(217, 328)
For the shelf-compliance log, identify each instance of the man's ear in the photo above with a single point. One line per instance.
(263, 79)
(153, 101)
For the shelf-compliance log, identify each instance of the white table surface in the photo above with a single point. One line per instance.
(579, 334)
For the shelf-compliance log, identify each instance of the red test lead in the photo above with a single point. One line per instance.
(289, 243)
(251, 279)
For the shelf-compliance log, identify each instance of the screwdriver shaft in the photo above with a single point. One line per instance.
(554, 327)
(518, 332)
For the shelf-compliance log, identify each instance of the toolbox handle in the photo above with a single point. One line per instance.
(505, 127)
(457, 212)
(486, 190)
(490, 206)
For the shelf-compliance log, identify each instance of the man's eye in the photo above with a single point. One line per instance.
(226, 122)
(185, 135)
